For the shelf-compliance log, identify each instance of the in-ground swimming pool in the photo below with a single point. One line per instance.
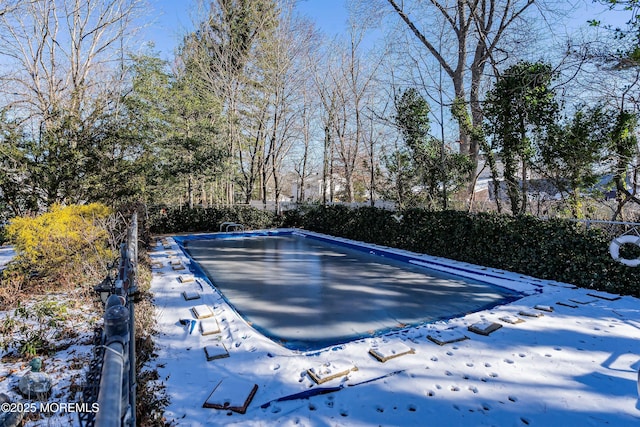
(307, 291)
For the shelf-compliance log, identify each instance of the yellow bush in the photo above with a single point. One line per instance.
(64, 245)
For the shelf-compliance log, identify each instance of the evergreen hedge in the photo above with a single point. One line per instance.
(556, 249)
(184, 220)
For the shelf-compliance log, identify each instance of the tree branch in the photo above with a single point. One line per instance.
(422, 38)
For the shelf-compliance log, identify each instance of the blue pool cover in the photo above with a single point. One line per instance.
(307, 293)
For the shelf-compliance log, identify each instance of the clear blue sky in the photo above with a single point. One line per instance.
(171, 18)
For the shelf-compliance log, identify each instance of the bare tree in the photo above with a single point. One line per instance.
(9, 5)
(61, 52)
(284, 79)
(321, 66)
(63, 74)
(478, 26)
(303, 166)
(373, 140)
(353, 81)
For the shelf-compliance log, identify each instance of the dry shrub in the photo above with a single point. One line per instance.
(145, 318)
(143, 277)
(11, 288)
(152, 400)
(151, 397)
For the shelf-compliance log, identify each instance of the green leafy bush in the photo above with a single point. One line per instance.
(548, 249)
(182, 220)
(37, 325)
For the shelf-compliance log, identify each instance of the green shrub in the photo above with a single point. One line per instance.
(548, 249)
(36, 339)
(184, 220)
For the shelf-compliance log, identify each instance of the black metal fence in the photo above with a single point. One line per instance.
(111, 380)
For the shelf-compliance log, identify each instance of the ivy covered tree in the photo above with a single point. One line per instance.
(625, 156)
(574, 152)
(520, 109)
(424, 166)
(476, 32)
(478, 136)
(402, 178)
(623, 51)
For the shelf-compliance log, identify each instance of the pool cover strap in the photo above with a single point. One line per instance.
(325, 390)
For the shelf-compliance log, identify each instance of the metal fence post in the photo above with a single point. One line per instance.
(110, 397)
(133, 288)
(117, 390)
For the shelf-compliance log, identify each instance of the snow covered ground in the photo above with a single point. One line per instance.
(574, 365)
(6, 254)
(66, 367)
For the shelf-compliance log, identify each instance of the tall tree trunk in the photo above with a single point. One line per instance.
(203, 195)
(332, 184)
(372, 170)
(305, 158)
(348, 178)
(276, 183)
(525, 188)
(325, 163)
(264, 180)
(190, 190)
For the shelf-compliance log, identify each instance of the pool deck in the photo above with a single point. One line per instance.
(574, 365)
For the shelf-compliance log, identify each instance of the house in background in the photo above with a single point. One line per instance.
(539, 187)
(313, 186)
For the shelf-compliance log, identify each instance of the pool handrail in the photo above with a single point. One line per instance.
(230, 224)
